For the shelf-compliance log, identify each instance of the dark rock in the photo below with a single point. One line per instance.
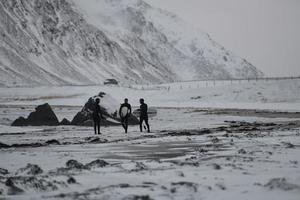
(21, 121)
(96, 164)
(215, 140)
(12, 189)
(140, 166)
(3, 171)
(36, 184)
(180, 173)
(242, 151)
(201, 150)
(74, 164)
(132, 120)
(221, 186)
(42, 116)
(9, 182)
(195, 98)
(216, 166)
(71, 180)
(54, 142)
(65, 122)
(225, 135)
(81, 117)
(281, 183)
(30, 169)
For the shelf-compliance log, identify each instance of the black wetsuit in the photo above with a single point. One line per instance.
(144, 116)
(96, 117)
(124, 119)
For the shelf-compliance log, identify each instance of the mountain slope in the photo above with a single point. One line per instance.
(64, 42)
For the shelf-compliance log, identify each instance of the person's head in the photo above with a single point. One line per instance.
(97, 101)
(141, 101)
(125, 100)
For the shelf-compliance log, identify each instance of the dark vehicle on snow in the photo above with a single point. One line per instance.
(111, 82)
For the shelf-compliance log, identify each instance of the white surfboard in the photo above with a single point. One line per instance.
(124, 111)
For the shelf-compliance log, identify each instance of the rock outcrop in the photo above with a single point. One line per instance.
(109, 108)
(42, 116)
(65, 122)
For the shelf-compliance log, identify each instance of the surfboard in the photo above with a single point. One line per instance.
(124, 111)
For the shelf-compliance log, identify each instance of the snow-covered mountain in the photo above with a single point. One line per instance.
(62, 42)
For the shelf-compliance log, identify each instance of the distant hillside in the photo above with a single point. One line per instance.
(64, 42)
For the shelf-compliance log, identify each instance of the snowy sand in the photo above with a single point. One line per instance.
(196, 150)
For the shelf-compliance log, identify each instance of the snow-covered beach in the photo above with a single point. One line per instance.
(218, 81)
(217, 141)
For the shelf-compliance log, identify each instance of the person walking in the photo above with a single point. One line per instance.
(97, 115)
(144, 115)
(124, 113)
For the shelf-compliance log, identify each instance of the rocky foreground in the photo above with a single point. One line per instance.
(191, 154)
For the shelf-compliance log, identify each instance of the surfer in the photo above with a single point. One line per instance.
(96, 116)
(125, 112)
(144, 115)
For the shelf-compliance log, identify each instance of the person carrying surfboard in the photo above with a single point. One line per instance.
(144, 115)
(97, 114)
(125, 112)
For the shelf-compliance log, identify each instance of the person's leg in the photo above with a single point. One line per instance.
(123, 123)
(98, 126)
(95, 126)
(126, 124)
(147, 124)
(141, 124)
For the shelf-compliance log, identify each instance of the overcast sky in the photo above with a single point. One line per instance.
(265, 32)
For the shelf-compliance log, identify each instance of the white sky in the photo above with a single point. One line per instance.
(265, 32)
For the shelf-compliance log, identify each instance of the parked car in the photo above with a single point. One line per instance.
(111, 82)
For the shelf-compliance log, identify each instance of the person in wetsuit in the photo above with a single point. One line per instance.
(124, 118)
(97, 115)
(144, 115)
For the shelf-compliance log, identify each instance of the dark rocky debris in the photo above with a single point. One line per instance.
(3, 171)
(281, 183)
(30, 169)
